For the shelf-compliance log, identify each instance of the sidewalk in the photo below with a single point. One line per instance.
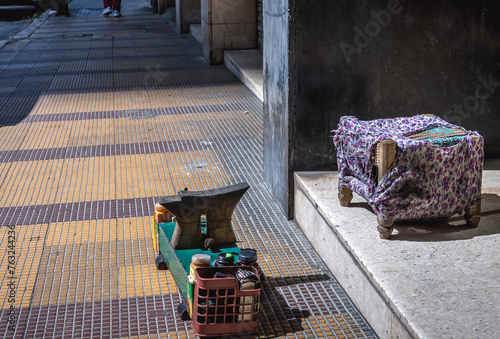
(98, 118)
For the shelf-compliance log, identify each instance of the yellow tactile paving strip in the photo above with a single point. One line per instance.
(112, 266)
(125, 100)
(28, 251)
(178, 335)
(64, 134)
(127, 176)
(49, 134)
(23, 183)
(90, 153)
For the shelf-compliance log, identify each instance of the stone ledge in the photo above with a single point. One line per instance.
(247, 65)
(195, 31)
(27, 30)
(431, 280)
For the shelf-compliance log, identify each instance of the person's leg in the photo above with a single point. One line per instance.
(65, 9)
(117, 7)
(107, 7)
(54, 7)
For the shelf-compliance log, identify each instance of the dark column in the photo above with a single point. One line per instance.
(187, 12)
(227, 25)
(161, 5)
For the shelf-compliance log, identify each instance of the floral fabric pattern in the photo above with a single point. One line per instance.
(425, 181)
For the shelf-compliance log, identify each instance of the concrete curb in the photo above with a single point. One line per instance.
(430, 280)
(27, 31)
(247, 65)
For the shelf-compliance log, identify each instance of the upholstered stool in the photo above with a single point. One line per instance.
(413, 168)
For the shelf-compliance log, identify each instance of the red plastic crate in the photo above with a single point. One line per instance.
(220, 307)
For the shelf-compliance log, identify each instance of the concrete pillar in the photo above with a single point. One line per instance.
(162, 5)
(227, 24)
(187, 12)
(372, 59)
(277, 103)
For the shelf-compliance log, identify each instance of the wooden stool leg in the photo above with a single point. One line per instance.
(473, 214)
(385, 155)
(385, 227)
(345, 196)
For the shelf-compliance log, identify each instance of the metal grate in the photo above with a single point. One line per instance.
(98, 119)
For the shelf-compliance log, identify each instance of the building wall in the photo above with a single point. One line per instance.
(380, 59)
(260, 24)
(440, 57)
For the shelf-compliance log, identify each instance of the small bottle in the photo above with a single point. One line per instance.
(224, 259)
(197, 261)
(248, 257)
(162, 214)
(247, 280)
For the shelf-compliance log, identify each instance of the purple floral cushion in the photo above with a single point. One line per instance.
(426, 181)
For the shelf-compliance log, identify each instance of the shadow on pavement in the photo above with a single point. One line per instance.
(453, 228)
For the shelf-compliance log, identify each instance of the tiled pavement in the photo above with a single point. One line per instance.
(98, 118)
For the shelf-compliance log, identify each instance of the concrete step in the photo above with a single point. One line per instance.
(430, 280)
(195, 31)
(247, 65)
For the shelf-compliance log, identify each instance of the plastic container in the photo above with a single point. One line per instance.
(221, 307)
(224, 259)
(197, 261)
(248, 257)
